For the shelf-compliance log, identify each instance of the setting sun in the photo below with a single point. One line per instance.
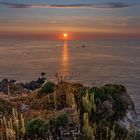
(65, 35)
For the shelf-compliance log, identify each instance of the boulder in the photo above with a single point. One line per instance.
(107, 107)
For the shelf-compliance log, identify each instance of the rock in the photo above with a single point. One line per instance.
(124, 123)
(128, 121)
(33, 85)
(83, 46)
(127, 98)
(12, 81)
(10, 86)
(4, 85)
(107, 107)
(43, 73)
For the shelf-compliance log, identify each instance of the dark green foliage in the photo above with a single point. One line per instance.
(119, 107)
(36, 127)
(48, 87)
(111, 89)
(112, 93)
(60, 120)
(5, 107)
(137, 137)
(43, 129)
(115, 92)
(99, 93)
(121, 133)
(82, 91)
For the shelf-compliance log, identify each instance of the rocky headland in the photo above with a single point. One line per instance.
(66, 110)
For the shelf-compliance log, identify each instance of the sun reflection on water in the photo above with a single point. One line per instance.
(65, 60)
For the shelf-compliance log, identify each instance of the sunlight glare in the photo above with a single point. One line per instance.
(65, 35)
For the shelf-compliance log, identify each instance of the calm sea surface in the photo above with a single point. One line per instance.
(100, 62)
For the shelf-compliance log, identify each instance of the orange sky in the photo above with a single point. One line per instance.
(78, 22)
(55, 30)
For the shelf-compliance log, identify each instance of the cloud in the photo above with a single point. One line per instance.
(105, 5)
(13, 5)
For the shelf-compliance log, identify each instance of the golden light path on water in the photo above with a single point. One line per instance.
(65, 60)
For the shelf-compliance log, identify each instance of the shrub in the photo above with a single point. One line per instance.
(120, 132)
(48, 87)
(99, 93)
(82, 91)
(111, 89)
(115, 92)
(119, 107)
(5, 107)
(36, 127)
(43, 129)
(62, 119)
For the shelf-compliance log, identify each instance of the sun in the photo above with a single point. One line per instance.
(65, 35)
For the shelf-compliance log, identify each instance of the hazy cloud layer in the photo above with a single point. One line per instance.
(105, 5)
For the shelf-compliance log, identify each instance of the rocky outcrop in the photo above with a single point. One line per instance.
(12, 87)
(107, 107)
(33, 85)
(128, 121)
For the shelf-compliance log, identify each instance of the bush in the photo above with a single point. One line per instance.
(5, 106)
(82, 91)
(36, 127)
(119, 107)
(60, 120)
(43, 129)
(111, 89)
(48, 87)
(120, 132)
(99, 93)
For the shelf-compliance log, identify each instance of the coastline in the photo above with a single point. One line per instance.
(65, 97)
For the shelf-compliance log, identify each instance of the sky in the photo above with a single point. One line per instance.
(79, 18)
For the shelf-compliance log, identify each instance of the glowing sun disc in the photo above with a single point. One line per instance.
(65, 35)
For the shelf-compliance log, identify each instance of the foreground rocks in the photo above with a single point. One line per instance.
(12, 87)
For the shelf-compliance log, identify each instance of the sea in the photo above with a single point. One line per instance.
(95, 62)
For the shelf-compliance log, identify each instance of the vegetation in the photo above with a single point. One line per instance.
(36, 128)
(56, 110)
(61, 120)
(47, 87)
(5, 107)
(13, 127)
